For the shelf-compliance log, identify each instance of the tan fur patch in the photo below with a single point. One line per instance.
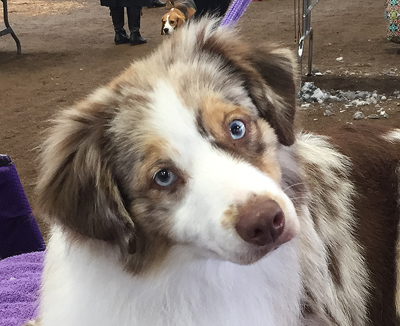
(148, 259)
(153, 159)
(230, 217)
(215, 114)
(35, 322)
(267, 162)
(259, 144)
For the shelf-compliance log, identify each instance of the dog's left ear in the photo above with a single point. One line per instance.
(77, 186)
(190, 12)
(274, 91)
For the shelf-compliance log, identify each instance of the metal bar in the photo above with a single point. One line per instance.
(305, 16)
(307, 31)
(5, 13)
(5, 31)
(311, 6)
(8, 29)
(310, 51)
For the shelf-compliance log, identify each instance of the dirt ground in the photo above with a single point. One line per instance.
(68, 50)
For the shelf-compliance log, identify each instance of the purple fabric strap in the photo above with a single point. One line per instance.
(19, 232)
(235, 11)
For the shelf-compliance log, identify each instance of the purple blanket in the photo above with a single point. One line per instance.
(19, 232)
(19, 288)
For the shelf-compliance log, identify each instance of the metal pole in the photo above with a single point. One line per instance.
(8, 29)
(310, 51)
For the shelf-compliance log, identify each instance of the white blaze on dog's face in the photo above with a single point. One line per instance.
(189, 146)
(218, 168)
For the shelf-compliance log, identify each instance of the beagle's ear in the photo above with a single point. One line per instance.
(162, 24)
(190, 12)
(76, 186)
(180, 20)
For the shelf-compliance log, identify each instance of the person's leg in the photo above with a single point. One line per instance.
(156, 4)
(222, 7)
(215, 7)
(134, 14)
(117, 16)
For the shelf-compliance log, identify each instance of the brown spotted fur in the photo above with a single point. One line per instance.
(86, 182)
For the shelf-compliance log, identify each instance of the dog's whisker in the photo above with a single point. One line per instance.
(299, 197)
(293, 185)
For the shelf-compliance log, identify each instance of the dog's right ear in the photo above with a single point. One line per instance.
(162, 24)
(76, 186)
(268, 74)
(275, 93)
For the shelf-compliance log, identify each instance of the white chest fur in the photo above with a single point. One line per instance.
(83, 288)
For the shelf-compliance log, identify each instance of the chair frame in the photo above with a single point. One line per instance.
(8, 29)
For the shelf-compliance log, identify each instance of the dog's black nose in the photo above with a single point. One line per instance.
(166, 30)
(260, 222)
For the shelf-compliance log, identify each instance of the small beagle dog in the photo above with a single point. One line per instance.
(180, 12)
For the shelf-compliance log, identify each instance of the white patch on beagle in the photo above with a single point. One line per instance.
(167, 28)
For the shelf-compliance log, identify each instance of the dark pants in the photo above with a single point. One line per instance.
(117, 16)
(218, 7)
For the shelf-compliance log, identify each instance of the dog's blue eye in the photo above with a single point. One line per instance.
(237, 129)
(165, 178)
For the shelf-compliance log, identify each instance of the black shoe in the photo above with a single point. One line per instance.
(156, 3)
(136, 39)
(121, 37)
